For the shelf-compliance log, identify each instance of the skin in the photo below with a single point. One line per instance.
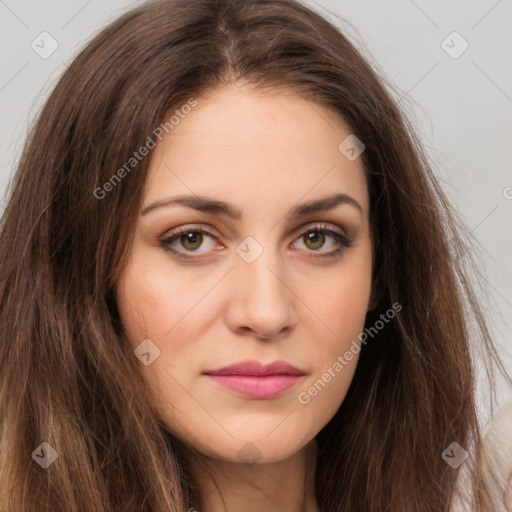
(507, 498)
(264, 153)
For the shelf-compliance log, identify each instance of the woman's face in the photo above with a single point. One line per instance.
(262, 284)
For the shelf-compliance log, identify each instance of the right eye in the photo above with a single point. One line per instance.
(190, 238)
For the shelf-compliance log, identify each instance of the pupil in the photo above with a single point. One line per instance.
(314, 237)
(192, 238)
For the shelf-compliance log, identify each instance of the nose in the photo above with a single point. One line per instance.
(261, 297)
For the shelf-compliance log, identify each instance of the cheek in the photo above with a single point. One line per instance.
(341, 303)
(163, 308)
(155, 304)
(340, 307)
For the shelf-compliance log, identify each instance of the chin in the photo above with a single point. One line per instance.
(249, 450)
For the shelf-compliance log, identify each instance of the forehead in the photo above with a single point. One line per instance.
(240, 144)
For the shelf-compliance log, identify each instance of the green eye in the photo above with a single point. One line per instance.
(317, 239)
(191, 238)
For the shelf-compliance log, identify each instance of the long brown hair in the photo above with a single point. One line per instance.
(68, 375)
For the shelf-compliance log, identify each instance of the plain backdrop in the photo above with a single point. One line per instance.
(451, 62)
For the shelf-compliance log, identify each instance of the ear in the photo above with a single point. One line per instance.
(376, 288)
(374, 299)
(376, 293)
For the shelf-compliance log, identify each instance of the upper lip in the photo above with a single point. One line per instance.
(257, 369)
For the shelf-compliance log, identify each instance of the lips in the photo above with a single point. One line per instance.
(255, 380)
(257, 369)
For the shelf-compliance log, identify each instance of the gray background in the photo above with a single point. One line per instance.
(461, 106)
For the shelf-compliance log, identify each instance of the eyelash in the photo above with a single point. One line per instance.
(342, 240)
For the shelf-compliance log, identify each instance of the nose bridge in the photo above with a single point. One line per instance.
(260, 267)
(263, 299)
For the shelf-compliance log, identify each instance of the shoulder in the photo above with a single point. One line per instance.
(498, 456)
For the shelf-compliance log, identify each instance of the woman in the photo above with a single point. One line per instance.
(230, 281)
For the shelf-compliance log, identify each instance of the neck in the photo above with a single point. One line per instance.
(283, 486)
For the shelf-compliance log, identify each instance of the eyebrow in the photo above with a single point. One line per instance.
(207, 205)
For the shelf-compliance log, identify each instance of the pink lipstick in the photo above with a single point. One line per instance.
(255, 380)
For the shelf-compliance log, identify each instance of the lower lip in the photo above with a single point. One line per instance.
(263, 387)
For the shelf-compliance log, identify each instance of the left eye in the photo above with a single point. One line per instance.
(316, 238)
(191, 238)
